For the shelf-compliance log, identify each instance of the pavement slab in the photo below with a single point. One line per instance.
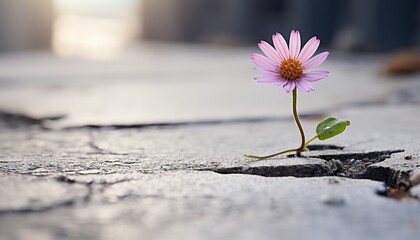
(381, 149)
(189, 205)
(25, 194)
(151, 147)
(170, 83)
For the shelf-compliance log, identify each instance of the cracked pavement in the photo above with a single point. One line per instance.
(80, 160)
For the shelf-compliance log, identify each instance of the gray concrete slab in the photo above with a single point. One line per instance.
(128, 176)
(203, 205)
(215, 146)
(178, 83)
(23, 193)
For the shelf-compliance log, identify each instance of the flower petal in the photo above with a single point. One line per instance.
(270, 78)
(314, 75)
(269, 51)
(272, 74)
(315, 61)
(265, 78)
(304, 86)
(308, 50)
(263, 62)
(289, 86)
(281, 46)
(281, 82)
(294, 44)
(263, 70)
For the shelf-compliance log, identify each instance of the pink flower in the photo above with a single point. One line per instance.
(289, 66)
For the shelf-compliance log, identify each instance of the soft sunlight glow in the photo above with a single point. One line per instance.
(95, 29)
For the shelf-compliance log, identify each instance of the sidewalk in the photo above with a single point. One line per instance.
(150, 147)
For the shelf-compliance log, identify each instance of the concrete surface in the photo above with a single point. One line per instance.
(151, 147)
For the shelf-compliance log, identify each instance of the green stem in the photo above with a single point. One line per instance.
(310, 140)
(302, 135)
(299, 125)
(272, 155)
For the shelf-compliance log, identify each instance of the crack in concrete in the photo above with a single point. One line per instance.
(391, 177)
(174, 124)
(361, 166)
(321, 147)
(98, 150)
(315, 115)
(379, 156)
(350, 165)
(15, 120)
(59, 204)
(70, 202)
(95, 189)
(306, 170)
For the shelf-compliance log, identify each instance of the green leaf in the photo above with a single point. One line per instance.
(331, 127)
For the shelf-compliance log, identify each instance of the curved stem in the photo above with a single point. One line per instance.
(302, 135)
(272, 155)
(296, 117)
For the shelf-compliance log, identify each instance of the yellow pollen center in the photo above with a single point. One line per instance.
(291, 69)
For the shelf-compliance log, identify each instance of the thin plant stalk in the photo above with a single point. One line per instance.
(299, 125)
(310, 140)
(271, 155)
(302, 135)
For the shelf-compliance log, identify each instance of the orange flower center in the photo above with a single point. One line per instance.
(291, 69)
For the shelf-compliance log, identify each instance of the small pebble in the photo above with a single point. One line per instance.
(408, 157)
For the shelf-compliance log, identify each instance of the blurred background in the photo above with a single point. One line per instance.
(100, 27)
(48, 44)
